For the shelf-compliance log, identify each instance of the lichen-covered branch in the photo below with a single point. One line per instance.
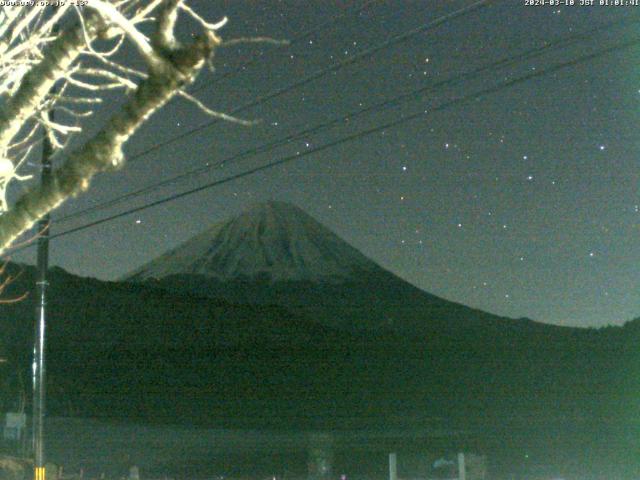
(36, 84)
(177, 67)
(41, 49)
(7, 279)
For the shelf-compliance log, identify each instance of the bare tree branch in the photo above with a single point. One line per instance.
(40, 49)
(103, 152)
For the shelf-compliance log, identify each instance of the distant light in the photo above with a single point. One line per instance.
(602, 147)
(138, 221)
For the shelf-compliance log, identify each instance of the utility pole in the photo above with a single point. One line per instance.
(393, 466)
(39, 392)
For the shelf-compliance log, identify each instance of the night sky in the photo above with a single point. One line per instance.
(523, 202)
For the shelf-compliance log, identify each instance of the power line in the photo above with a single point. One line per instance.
(501, 63)
(361, 134)
(395, 40)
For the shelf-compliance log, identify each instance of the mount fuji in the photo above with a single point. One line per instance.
(276, 254)
(273, 241)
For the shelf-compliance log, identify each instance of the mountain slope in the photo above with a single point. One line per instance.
(136, 352)
(276, 254)
(133, 351)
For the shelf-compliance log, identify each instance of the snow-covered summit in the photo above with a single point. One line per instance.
(275, 241)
